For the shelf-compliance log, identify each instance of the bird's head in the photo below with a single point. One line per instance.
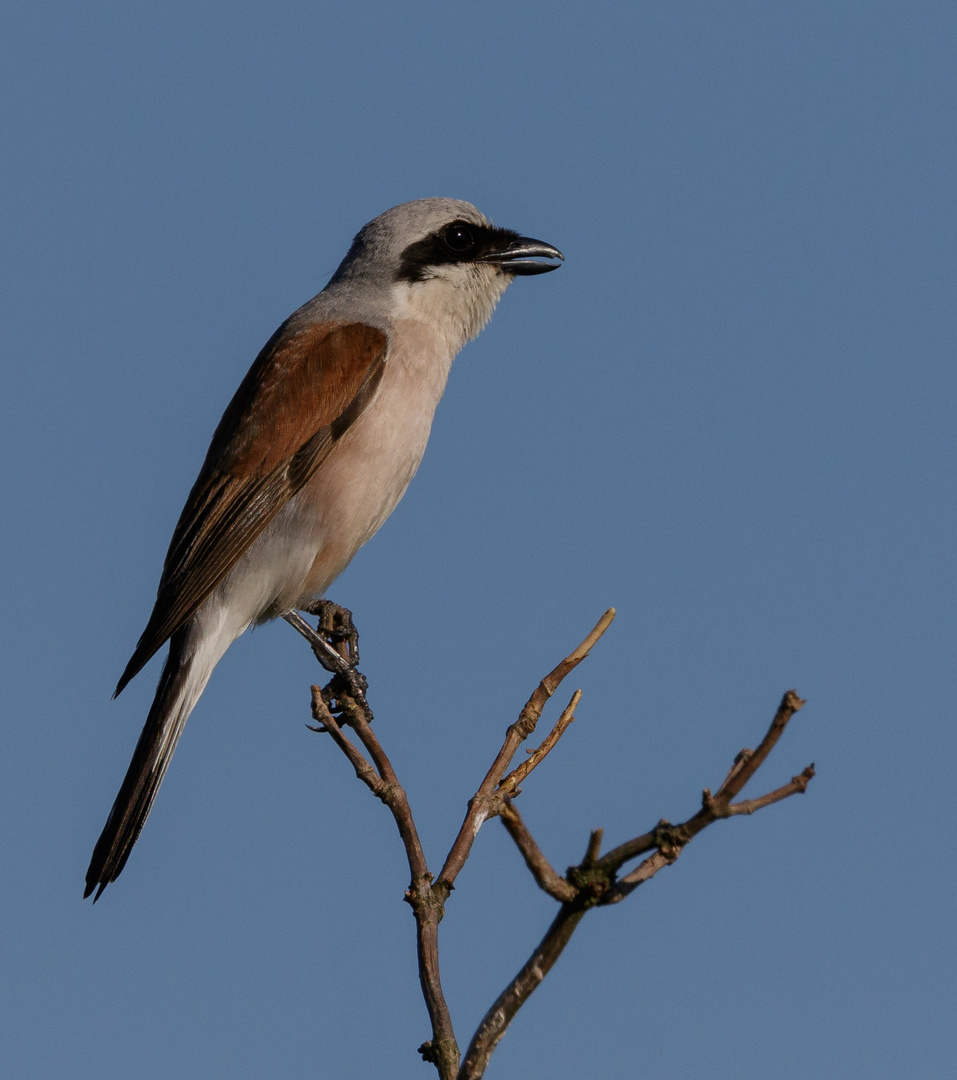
(442, 262)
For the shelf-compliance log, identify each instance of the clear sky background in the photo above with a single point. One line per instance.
(730, 414)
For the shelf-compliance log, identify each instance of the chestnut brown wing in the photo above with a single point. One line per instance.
(302, 394)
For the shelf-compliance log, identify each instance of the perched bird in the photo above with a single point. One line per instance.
(311, 456)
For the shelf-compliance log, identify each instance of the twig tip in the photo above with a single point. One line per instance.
(792, 701)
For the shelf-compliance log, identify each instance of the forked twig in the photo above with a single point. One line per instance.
(594, 879)
(487, 802)
(509, 786)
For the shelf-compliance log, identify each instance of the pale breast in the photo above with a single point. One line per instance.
(363, 479)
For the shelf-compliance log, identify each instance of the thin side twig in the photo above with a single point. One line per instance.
(541, 869)
(797, 785)
(535, 757)
(670, 840)
(737, 778)
(330, 726)
(745, 765)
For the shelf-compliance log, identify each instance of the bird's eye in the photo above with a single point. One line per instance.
(459, 237)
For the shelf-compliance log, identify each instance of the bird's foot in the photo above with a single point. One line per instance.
(335, 643)
(337, 627)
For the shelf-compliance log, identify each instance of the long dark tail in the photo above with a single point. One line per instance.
(180, 686)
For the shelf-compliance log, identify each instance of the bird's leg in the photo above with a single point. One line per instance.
(337, 627)
(335, 644)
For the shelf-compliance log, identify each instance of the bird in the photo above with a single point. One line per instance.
(312, 454)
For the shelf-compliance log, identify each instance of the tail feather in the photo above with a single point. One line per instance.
(180, 686)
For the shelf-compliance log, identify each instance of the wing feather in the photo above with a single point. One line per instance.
(305, 390)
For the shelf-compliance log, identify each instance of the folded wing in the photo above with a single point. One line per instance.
(305, 390)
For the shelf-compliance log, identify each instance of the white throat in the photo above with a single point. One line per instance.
(455, 302)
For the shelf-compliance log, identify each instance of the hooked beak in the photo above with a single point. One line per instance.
(519, 256)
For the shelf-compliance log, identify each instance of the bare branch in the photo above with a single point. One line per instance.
(495, 1022)
(330, 726)
(379, 776)
(642, 873)
(670, 840)
(551, 682)
(541, 869)
(442, 1050)
(716, 806)
(594, 884)
(797, 786)
(737, 778)
(594, 847)
(483, 805)
(517, 776)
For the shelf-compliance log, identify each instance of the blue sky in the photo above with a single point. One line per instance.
(730, 415)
